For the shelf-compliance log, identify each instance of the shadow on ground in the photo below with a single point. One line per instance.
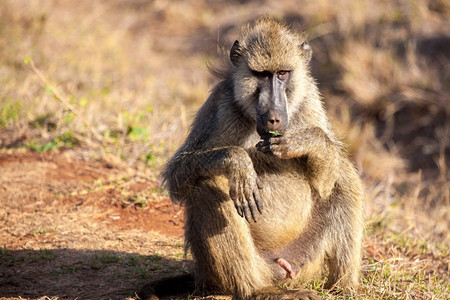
(70, 274)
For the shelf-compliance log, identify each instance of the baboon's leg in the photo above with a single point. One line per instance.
(221, 243)
(346, 233)
(344, 258)
(335, 233)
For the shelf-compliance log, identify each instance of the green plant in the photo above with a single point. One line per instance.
(43, 231)
(66, 140)
(9, 112)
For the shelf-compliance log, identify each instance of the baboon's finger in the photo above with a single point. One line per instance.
(252, 207)
(259, 184)
(248, 193)
(239, 209)
(259, 203)
(234, 197)
(246, 212)
(265, 149)
(269, 141)
(262, 144)
(233, 193)
(243, 202)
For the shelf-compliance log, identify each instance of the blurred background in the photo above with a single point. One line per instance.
(122, 80)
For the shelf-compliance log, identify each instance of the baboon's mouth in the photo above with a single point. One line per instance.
(274, 133)
(270, 134)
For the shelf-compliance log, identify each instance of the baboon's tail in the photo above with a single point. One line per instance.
(180, 284)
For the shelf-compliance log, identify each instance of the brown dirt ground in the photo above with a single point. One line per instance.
(72, 227)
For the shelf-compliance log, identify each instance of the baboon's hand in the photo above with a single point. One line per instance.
(294, 144)
(277, 145)
(244, 191)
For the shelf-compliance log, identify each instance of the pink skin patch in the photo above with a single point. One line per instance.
(287, 267)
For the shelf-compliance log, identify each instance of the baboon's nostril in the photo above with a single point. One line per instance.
(274, 123)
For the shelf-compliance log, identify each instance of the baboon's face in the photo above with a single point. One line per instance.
(262, 91)
(271, 101)
(269, 65)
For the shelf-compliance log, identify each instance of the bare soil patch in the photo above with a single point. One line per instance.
(72, 227)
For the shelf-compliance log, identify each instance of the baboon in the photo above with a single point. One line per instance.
(269, 192)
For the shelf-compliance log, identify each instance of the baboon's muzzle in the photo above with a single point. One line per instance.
(272, 120)
(272, 107)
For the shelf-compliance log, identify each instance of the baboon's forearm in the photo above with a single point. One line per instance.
(324, 159)
(185, 169)
(323, 155)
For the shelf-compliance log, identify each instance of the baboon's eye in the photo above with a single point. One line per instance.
(283, 75)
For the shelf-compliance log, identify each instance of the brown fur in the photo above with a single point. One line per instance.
(311, 196)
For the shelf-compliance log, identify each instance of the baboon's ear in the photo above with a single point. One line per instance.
(235, 53)
(307, 50)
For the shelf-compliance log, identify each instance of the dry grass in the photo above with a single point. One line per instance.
(136, 73)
